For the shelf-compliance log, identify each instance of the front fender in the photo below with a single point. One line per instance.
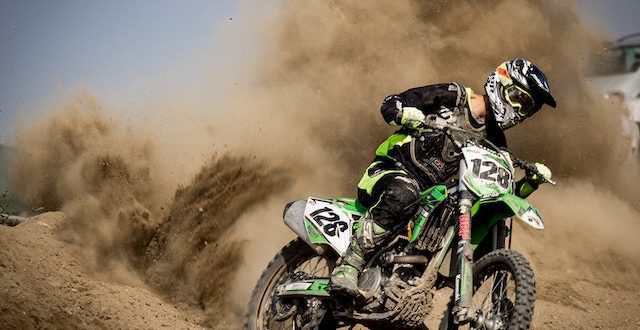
(516, 205)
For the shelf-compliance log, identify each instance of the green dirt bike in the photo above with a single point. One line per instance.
(457, 239)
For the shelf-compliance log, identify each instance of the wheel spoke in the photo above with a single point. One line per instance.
(494, 290)
(503, 292)
(486, 298)
(313, 267)
(500, 283)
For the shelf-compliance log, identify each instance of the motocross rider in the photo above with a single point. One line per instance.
(415, 158)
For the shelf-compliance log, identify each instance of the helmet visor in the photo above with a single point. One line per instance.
(520, 100)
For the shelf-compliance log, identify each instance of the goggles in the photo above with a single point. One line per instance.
(520, 100)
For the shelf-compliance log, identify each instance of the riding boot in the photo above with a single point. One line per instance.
(367, 235)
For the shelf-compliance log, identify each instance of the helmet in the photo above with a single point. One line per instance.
(517, 89)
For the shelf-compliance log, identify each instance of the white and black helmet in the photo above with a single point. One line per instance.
(517, 89)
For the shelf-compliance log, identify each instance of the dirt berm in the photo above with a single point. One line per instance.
(43, 285)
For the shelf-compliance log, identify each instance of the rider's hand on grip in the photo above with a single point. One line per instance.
(435, 122)
(412, 117)
(541, 174)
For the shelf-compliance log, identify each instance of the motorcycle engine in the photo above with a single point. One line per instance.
(370, 283)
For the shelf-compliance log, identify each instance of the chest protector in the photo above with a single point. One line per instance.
(430, 155)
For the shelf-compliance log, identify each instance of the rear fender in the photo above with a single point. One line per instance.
(323, 223)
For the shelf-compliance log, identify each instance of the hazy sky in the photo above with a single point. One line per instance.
(621, 16)
(47, 48)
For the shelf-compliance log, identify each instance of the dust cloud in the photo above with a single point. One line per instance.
(341, 58)
(126, 226)
(333, 62)
(100, 174)
(308, 125)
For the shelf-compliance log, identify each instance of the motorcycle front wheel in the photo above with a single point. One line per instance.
(295, 261)
(504, 292)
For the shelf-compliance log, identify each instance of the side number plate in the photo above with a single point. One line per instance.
(332, 222)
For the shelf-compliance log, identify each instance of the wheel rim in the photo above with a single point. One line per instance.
(311, 266)
(494, 298)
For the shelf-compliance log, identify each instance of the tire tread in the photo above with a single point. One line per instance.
(284, 257)
(525, 284)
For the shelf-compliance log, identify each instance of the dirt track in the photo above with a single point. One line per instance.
(574, 304)
(43, 285)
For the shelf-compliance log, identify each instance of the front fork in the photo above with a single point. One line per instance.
(464, 276)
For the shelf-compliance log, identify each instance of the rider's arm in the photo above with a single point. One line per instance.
(410, 107)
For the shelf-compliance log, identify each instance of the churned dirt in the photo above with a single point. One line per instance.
(43, 284)
(571, 304)
(169, 223)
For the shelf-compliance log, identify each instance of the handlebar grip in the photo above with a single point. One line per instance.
(531, 168)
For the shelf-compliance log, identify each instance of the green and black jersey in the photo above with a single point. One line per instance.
(428, 155)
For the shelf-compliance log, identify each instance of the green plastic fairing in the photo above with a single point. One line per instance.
(434, 196)
(314, 235)
(351, 205)
(317, 288)
(430, 198)
(516, 206)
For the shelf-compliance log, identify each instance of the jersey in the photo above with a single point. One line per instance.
(429, 155)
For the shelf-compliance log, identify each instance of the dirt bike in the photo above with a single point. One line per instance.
(457, 239)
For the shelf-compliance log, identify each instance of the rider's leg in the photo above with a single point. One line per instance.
(345, 276)
(395, 198)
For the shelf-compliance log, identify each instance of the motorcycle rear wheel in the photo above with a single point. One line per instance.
(295, 259)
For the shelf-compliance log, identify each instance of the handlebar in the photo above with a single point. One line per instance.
(531, 168)
(441, 124)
